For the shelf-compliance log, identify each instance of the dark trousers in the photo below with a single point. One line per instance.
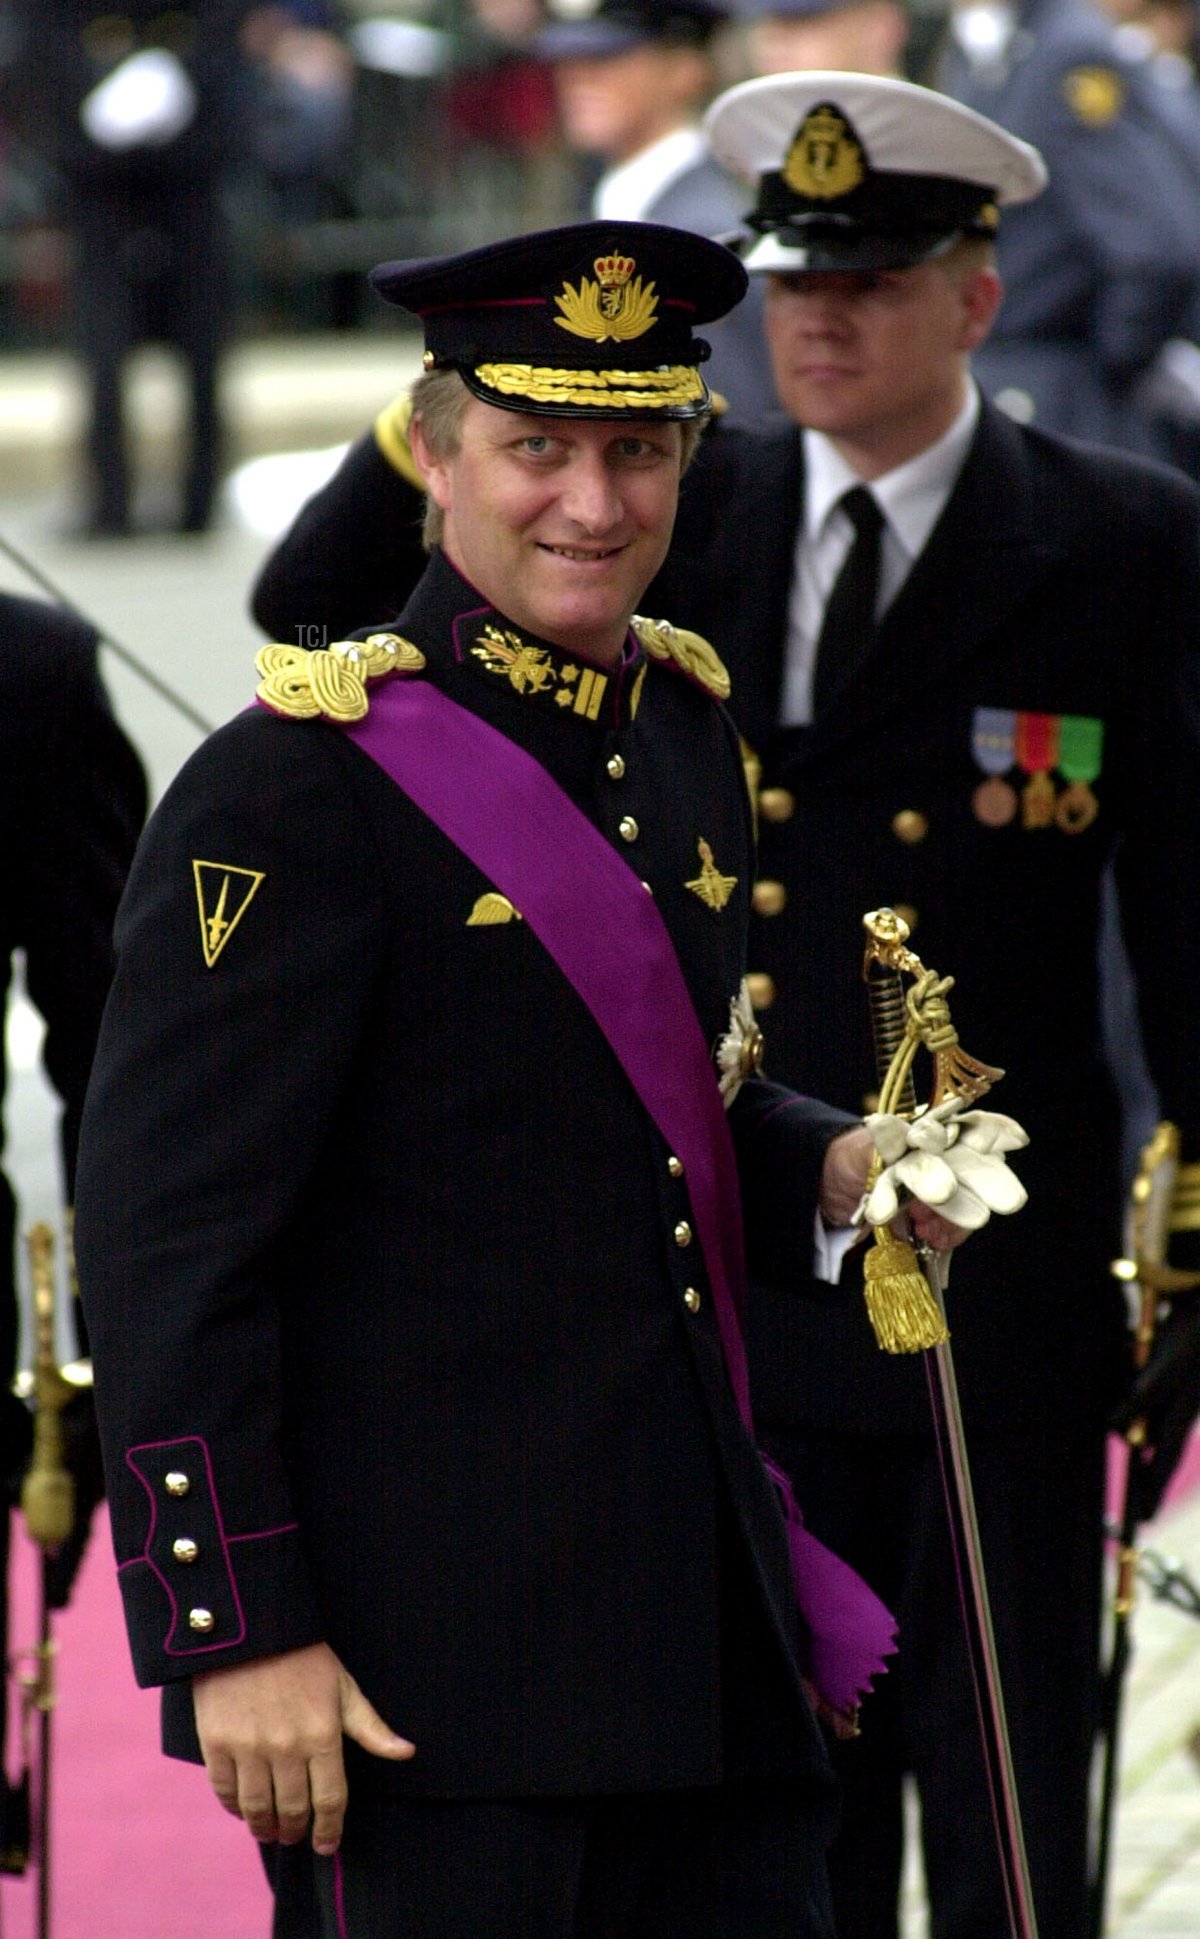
(878, 1500)
(150, 262)
(737, 1862)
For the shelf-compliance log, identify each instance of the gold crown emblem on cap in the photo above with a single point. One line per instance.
(825, 160)
(611, 310)
(613, 271)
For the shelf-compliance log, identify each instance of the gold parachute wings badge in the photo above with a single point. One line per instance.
(615, 308)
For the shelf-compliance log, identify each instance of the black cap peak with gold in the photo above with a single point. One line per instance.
(860, 172)
(593, 319)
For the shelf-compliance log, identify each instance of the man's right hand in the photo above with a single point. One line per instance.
(271, 1731)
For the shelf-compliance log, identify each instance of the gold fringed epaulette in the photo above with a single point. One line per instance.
(688, 651)
(331, 681)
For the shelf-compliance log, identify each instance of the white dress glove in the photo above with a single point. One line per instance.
(949, 1158)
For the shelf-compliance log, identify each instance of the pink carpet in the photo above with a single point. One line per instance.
(139, 1847)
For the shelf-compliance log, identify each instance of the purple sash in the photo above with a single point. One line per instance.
(594, 917)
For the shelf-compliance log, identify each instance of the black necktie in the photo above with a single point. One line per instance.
(848, 627)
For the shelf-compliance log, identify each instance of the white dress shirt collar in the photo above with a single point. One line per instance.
(625, 193)
(911, 497)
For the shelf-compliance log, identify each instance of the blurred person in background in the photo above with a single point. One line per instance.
(856, 36)
(302, 83)
(631, 79)
(1102, 271)
(137, 110)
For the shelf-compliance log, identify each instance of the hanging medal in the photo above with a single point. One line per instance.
(1080, 756)
(993, 744)
(1037, 755)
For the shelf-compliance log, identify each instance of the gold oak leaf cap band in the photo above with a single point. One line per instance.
(595, 319)
(860, 172)
(224, 892)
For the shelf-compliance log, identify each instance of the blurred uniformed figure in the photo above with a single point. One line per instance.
(631, 78)
(136, 105)
(73, 796)
(406, 1312)
(858, 36)
(1023, 713)
(1103, 270)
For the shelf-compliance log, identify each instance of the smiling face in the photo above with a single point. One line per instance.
(561, 523)
(878, 361)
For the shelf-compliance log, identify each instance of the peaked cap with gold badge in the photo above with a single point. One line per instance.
(856, 172)
(594, 319)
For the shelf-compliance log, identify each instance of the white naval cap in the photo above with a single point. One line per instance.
(858, 172)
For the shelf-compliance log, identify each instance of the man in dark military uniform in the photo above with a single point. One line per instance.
(1104, 269)
(406, 1220)
(1026, 712)
(73, 797)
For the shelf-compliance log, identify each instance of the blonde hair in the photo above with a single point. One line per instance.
(439, 399)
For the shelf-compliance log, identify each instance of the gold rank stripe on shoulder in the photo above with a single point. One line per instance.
(391, 435)
(224, 892)
(491, 909)
(1185, 1202)
(688, 651)
(710, 885)
(331, 681)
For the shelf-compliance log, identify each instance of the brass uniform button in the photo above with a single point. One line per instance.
(691, 1300)
(202, 1620)
(683, 1233)
(627, 828)
(776, 804)
(907, 914)
(768, 898)
(760, 988)
(615, 766)
(176, 1484)
(185, 1550)
(910, 826)
(675, 1166)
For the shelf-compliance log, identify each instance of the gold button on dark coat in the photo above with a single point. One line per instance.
(910, 825)
(627, 828)
(176, 1483)
(185, 1550)
(776, 804)
(615, 766)
(675, 1166)
(691, 1300)
(683, 1233)
(769, 898)
(202, 1620)
(760, 988)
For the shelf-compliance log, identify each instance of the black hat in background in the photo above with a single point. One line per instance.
(601, 29)
(595, 319)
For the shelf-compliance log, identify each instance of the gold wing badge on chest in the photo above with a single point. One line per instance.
(710, 885)
(224, 892)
